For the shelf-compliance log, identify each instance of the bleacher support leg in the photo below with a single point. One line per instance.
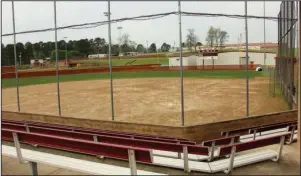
(18, 148)
(231, 161)
(27, 128)
(132, 162)
(95, 139)
(33, 168)
(282, 140)
(211, 153)
(185, 159)
(292, 135)
(179, 154)
(254, 137)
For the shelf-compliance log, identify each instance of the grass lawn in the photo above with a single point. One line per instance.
(6, 83)
(120, 62)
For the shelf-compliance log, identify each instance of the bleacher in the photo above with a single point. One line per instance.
(215, 155)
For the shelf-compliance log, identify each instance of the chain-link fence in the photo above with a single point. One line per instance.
(285, 62)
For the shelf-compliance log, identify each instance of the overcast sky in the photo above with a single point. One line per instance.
(39, 15)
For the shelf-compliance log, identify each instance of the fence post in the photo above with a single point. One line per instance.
(181, 64)
(15, 56)
(56, 62)
(247, 59)
(110, 61)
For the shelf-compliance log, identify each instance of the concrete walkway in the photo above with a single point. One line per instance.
(288, 165)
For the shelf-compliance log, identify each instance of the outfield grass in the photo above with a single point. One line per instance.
(6, 83)
(120, 62)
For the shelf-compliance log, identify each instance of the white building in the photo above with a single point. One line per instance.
(94, 56)
(227, 58)
(187, 61)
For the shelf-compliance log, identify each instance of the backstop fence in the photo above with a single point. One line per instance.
(286, 69)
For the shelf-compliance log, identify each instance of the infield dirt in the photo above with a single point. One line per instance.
(148, 100)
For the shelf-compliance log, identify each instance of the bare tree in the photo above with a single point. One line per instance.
(217, 32)
(210, 39)
(124, 40)
(191, 39)
(223, 37)
(217, 37)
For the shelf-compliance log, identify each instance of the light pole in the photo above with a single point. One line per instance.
(146, 46)
(66, 56)
(157, 52)
(119, 28)
(20, 55)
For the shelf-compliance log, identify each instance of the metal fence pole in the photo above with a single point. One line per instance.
(56, 62)
(247, 59)
(270, 78)
(15, 55)
(181, 65)
(299, 76)
(110, 61)
(297, 53)
(274, 83)
(264, 39)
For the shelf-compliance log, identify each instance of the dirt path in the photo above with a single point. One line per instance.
(148, 100)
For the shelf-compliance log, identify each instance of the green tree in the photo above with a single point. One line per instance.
(83, 46)
(4, 58)
(140, 48)
(199, 44)
(153, 48)
(9, 52)
(165, 47)
(28, 53)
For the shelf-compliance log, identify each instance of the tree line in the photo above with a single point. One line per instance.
(73, 49)
(84, 47)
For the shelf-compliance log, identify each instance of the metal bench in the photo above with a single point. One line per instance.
(107, 132)
(88, 167)
(177, 148)
(268, 130)
(277, 128)
(106, 149)
(159, 148)
(132, 154)
(227, 165)
(214, 143)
